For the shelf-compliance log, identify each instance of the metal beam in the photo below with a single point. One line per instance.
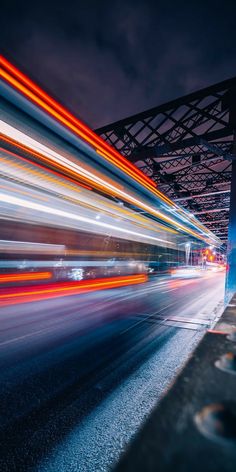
(202, 195)
(215, 210)
(225, 220)
(183, 145)
(173, 104)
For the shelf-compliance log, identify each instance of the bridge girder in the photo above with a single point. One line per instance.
(186, 147)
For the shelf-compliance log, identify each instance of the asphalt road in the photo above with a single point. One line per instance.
(80, 374)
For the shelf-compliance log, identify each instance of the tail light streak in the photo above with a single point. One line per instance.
(24, 277)
(42, 292)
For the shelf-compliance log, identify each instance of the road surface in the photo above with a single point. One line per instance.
(80, 374)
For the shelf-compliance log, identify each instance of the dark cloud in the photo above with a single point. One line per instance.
(106, 60)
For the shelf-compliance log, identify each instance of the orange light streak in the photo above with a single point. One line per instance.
(41, 292)
(104, 189)
(47, 160)
(24, 276)
(59, 108)
(122, 210)
(28, 88)
(63, 116)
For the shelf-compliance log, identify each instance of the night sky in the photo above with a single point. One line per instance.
(106, 60)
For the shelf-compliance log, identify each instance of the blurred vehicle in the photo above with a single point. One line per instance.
(186, 272)
(157, 268)
(214, 267)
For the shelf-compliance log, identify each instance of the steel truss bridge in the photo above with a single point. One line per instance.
(186, 146)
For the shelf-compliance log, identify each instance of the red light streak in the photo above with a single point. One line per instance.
(89, 180)
(55, 290)
(38, 96)
(65, 117)
(36, 164)
(27, 87)
(58, 166)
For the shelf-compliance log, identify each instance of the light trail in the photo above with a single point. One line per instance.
(31, 90)
(24, 277)
(45, 153)
(36, 171)
(23, 85)
(9, 199)
(67, 119)
(60, 289)
(30, 247)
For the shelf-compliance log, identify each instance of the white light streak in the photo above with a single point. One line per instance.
(9, 199)
(26, 140)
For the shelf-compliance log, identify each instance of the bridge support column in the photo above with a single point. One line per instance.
(230, 288)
